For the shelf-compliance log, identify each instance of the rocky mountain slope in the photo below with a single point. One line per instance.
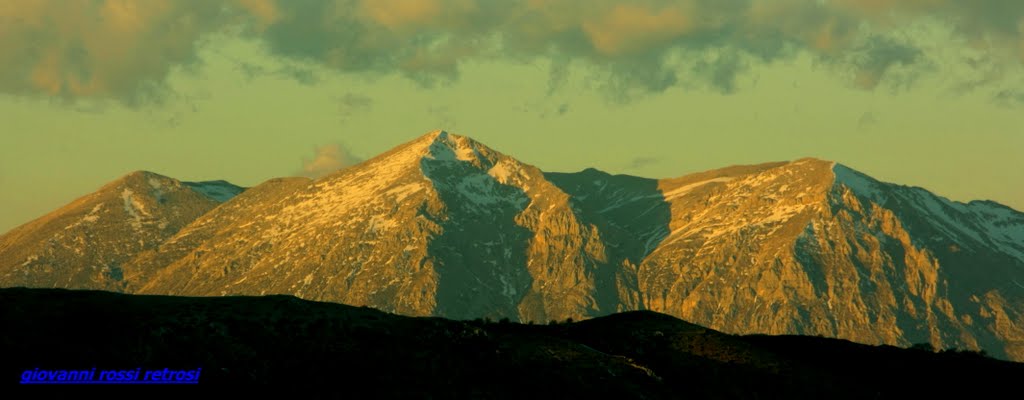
(812, 247)
(445, 226)
(85, 244)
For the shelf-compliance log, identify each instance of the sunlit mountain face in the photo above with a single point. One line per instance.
(445, 226)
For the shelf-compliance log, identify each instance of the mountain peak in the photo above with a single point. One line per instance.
(142, 174)
(434, 135)
(137, 173)
(437, 145)
(449, 147)
(141, 179)
(811, 161)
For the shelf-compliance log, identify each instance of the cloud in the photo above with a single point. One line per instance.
(640, 162)
(546, 110)
(328, 158)
(563, 108)
(867, 120)
(120, 49)
(123, 50)
(1009, 97)
(629, 28)
(355, 100)
(304, 76)
(443, 117)
(301, 75)
(721, 71)
(873, 59)
(351, 103)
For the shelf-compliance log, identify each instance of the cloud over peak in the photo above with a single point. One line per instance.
(327, 159)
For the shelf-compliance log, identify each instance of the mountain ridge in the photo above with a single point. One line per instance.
(85, 243)
(443, 225)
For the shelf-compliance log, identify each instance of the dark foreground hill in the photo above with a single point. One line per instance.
(349, 350)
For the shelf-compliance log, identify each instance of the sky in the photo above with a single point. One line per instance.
(927, 93)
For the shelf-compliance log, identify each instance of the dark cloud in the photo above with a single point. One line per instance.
(250, 70)
(558, 74)
(304, 76)
(301, 75)
(124, 49)
(1009, 97)
(877, 56)
(351, 103)
(985, 71)
(355, 101)
(546, 110)
(721, 71)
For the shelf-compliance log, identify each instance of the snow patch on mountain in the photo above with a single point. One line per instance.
(1004, 226)
(480, 189)
(133, 207)
(507, 289)
(783, 213)
(401, 192)
(968, 225)
(683, 190)
(1004, 222)
(466, 154)
(501, 172)
(941, 211)
(30, 259)
(89, 218)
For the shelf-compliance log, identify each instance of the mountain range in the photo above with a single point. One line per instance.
(445, 226)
